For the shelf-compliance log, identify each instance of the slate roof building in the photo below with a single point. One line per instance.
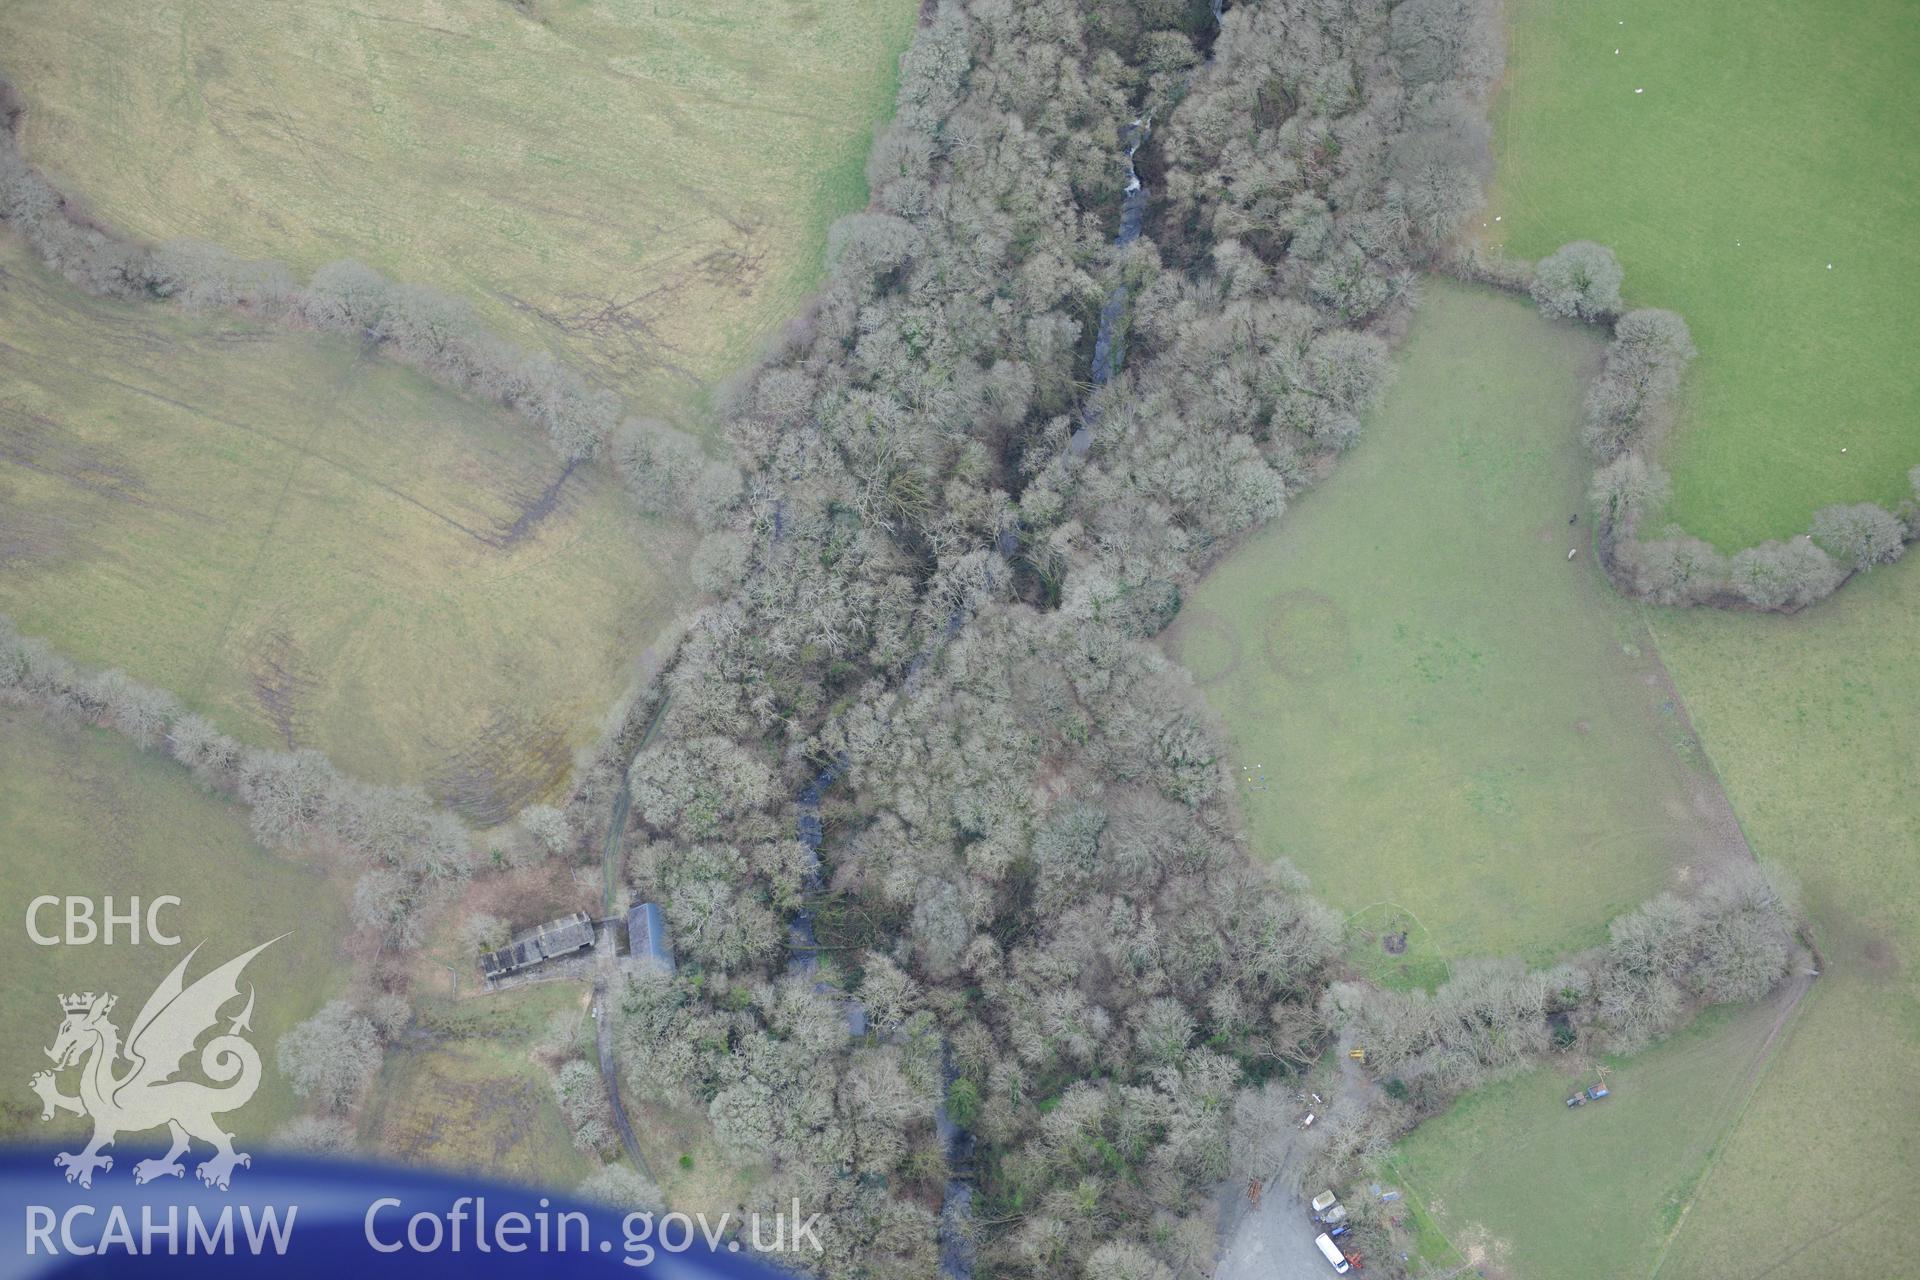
(562, 937)
(647, 934)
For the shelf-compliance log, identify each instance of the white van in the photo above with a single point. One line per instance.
(1331, 1252)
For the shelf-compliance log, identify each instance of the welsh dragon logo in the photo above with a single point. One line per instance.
(146, 1093)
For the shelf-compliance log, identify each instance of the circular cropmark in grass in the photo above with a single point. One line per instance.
(1206, 644)
(1308, 637)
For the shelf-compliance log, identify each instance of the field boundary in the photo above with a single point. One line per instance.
(1750, 1088)
(1420, 1202)
(1765, 1058)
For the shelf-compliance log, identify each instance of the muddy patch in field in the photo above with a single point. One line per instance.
(515, 760)
(1882, 958)
(1488, 1254)
(535, 508)
(625, 329)
(35, 536)
(280, 680)
(36, 443)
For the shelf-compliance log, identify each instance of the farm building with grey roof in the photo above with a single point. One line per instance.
(555, 938)
(647, 934)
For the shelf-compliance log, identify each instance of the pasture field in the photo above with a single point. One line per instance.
(1457, 733)
(640, 186)
(1522, 1182)
(1768, 143)
(85, 813)
(1814, 723)
(1732, 1152)
(314, 546)
(464, 1091)
(1771, 140)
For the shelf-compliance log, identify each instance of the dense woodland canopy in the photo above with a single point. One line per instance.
(1033, 875)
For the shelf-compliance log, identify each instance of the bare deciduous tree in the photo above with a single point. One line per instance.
(330, 1057)
(1579, 281)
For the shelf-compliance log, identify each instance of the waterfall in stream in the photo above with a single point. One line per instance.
(956, 1205)
(1107, 354)
(1108, 350)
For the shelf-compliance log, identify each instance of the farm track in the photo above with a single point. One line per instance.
(1790, 999)
(1273, 1240)
(1727, 820)
(608, 969)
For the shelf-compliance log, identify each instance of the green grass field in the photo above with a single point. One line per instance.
(1814, 722)
(1771, 140)
(1518, 1180)
(1461, 734)
(315, 546)
(1768, 143)
(1724, 1154)
(465, 1092)
(641, 186)
(86, 814)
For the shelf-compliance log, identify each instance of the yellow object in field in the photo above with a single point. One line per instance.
(1358, 1055)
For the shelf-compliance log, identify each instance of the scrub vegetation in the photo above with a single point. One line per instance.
(468, 1089)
